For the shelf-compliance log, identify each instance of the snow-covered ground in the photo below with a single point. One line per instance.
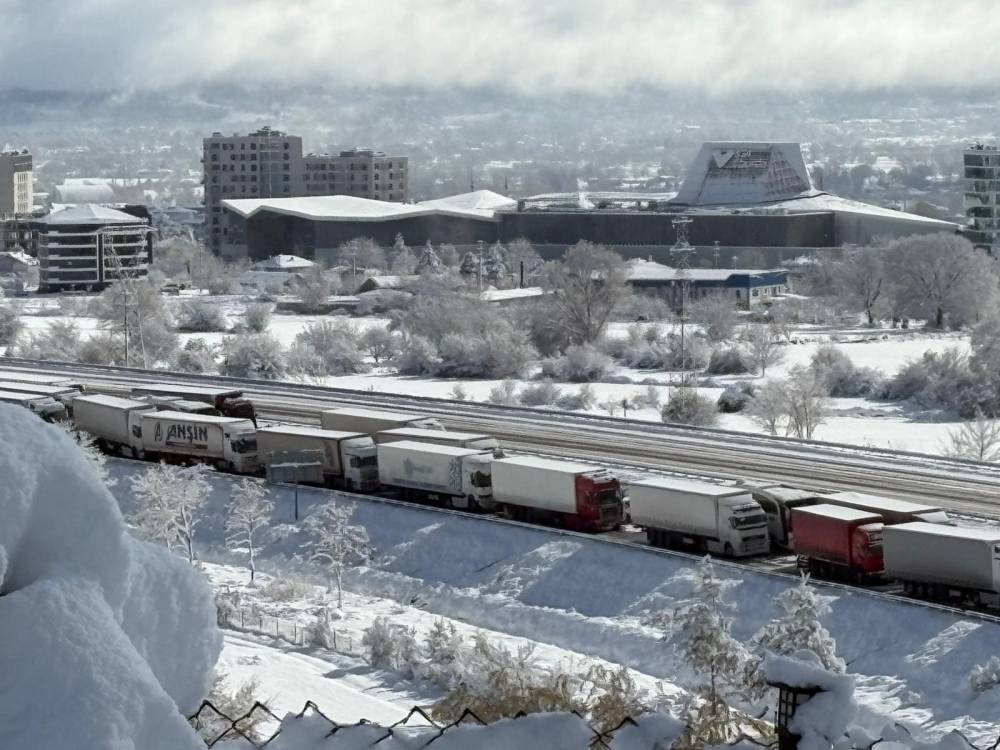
(579, 597)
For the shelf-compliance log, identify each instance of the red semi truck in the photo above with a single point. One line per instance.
(832, 541)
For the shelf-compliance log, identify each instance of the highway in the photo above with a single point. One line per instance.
(960, 486)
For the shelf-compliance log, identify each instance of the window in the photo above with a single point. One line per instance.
(286, 145)
(756, 292)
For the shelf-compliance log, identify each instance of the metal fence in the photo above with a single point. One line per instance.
(252, 620)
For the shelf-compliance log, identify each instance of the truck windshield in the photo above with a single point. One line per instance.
(359, 462)
(608, 497)
(481, 479)
(753, 519)
(245, 445)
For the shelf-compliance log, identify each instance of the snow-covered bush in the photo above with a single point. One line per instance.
(379, 642)
(101, 349)
(286, 589)
(984, 677)
(314, 289)
(728, 361)
(59, 341)
(504, 393)
(197, 356)
(687, 406)
(582, 399)
(169, 501)
(545, 393)
(735, 398)
(841, 377)
(458, 392)
(650, 398)
(231, 705)
(943, 380)
(641, 307)
(502, 351)
(10, 325)
(417, 355)
(442, 655)
(326, 348)
(320, 631)
(257, 316)
(138, 307)
(716, 316)
(580, 363)
(693, 355)
(252, 355)
(199, 316)
(381, 301)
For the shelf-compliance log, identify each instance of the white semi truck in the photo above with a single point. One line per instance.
(573, 494)
(439, 437)
(702, 516)
(348, 459)
(113, 421)
(44, 406)
(373, 421)
(228, 443)
(957, 564)
(456, 477)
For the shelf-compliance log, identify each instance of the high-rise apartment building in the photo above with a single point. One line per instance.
(361, 172)
(16, 189)
(269, 164)
(982, 195)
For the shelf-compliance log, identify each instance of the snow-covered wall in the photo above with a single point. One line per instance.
(107, 641)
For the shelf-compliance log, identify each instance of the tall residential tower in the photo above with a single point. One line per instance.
(16, 190)
(982, 195)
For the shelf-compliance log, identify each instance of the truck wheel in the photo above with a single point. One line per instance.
(728, 550)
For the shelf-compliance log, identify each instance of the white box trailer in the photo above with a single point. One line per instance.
(944, 562)
(578, 495)
(460, 477)
(701, 515)
(892, 511)
(348, 459)
(116, 423)
(44, 406)
(229, 401)
(62, 393)
(439, 437)
(226, 442)
(13, 375)
(372, 421)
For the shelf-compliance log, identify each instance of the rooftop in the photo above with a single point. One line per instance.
(90, 213)
(839, 512)
(649, 270)
(691, 486)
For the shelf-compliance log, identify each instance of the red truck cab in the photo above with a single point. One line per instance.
(832, 541)
(599, 504)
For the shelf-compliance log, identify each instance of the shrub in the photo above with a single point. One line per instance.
(197, 356)
(284, 589)
(583, 399)
(199, 316)
(379, 343)
(257, 316)
(101, 349)
(10, 325)
(379, 643)
(580, 363)
(326, 348)
(650, 398)
(985, 676)
(59, 341)
(941, 380)
(417, 356)
(504, 393)
(694, 355)
(543, 394)
(687, 406)
(499, 352)
(727, 361)
(841, 377)
(716, 316)
(252, 355)
(458, 392)
(314, 289)
(735, 398)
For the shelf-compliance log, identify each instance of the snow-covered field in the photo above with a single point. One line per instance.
(581, 598)
(853, 421)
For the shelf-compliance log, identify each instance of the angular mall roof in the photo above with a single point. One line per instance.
(481, 204)
(727, 172)
(91, 213)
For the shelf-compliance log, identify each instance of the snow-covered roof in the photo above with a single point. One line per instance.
(839, 512)
(282, 263)
(499, 295)
(308, 431)
(481, 204)
(639, 269)
(875, 502)
(414, 446)
(90, 213)
(691, 486)
(977, 533)
(117, 402)
(551, 464)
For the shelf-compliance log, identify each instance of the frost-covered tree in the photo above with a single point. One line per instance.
(429, 262)
(60, 340)
(762, 344)
(403, 260)
(169, 502)
(257, 316)
(442, 654)
(360, 254)
(327, 348)
(379, 642)
(417, 355)
(977, 440)
(494, 267)
(687, 406)
(197, 356)
(716, 316)
(247, 516)
(314, 289)
(133, 310)
(10, 325)
(798, 627)
(379, 343)
(87, 444)
(769, 406)
(231, 705)
(199, 316)
(586, 286)
(339, 542)
(252, 355)
(521, 251)
(860, 278)
(807, 401)
(702, 632)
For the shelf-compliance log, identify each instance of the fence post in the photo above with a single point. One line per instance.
(242, 625)
(277, 628)
(334, 639)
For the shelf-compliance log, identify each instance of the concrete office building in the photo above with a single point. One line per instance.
(89, 246)
(16, 187)
(270, 164)
(982, 195)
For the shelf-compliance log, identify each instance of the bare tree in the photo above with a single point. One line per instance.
(977, 440)
(769, 407)
(941, 277)
(586, 286)
(379, 343)
(860, 278)
(715, 315)
(314, 289)
(169, 500)
(247, 515)
(339, 543)
(808, 401)
(763, 347)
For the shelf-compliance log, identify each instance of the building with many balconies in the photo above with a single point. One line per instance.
(90, 246)
(16, 184)
(982, 195)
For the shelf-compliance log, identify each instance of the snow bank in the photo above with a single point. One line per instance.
(107, 641)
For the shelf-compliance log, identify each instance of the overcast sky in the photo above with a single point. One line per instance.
(532, 46)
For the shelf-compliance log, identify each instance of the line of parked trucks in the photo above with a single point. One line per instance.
(847, 536)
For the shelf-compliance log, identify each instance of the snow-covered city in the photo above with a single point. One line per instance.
(500, 376)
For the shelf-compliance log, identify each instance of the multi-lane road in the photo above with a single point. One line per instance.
(962, 486)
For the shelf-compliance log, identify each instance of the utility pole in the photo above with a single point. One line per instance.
(681, 252)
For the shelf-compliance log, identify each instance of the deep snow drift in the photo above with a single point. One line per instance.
(107, 641)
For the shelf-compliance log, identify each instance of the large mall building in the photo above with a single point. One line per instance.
(737, 196)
